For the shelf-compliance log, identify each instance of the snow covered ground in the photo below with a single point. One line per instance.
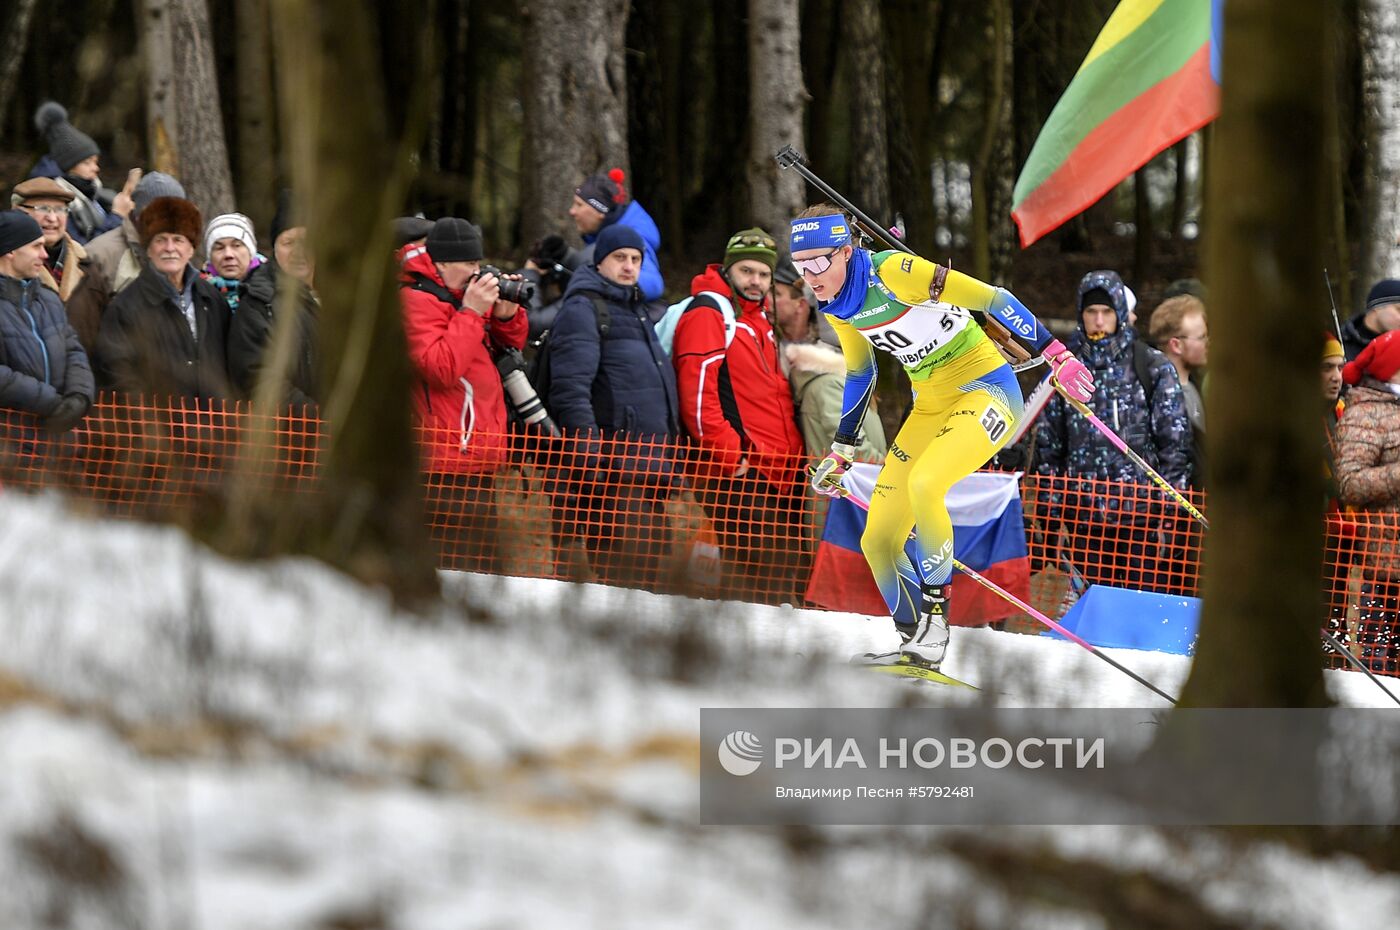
(193, 743)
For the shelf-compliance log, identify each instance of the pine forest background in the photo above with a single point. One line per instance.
(925, 108)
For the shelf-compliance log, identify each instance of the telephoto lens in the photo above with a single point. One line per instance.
(523, 397)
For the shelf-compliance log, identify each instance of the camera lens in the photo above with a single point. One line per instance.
(523, 397)
(517, 292)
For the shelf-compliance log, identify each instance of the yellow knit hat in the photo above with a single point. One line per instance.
(1332, 348)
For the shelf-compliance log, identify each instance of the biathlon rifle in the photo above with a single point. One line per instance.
(788, 157)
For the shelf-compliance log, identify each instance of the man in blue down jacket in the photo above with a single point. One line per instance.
(1114, 521)
(610, 378)
(43, 368)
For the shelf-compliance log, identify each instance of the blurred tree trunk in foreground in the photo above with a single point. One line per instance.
(350, 178)
(1259, 642)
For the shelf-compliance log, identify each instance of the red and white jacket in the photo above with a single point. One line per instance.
(736, 402)
(458, 398)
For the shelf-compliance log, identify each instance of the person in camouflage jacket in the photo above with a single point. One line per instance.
(1368, 478)
(1108, 506)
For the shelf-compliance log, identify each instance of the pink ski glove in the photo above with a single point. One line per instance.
(1072, 374)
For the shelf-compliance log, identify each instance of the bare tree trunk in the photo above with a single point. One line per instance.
(1142, 219)
(1259, 641)
(777, 103)
(726, 130)
(1181, 191)
(1380, 37)
(257, 161)
(821, 42)
(991, 172)
(919, 52)
(16, 41)
(575, 103)
(183, 111)
(162, 115)
(350, 179)
(870, 180)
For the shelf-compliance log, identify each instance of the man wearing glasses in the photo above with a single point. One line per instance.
(966, 406)
(1178, 328)
(47, 201)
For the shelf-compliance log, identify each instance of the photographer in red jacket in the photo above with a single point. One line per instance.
(453, 317)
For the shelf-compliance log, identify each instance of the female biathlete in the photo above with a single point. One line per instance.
(966, 406)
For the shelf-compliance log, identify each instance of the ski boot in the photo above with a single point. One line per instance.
(924, 642)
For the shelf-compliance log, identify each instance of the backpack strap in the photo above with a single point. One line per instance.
(1142, 365)
(602, 314)
(726, 311)
(427, 285)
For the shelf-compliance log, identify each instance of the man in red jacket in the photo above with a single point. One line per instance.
(735, 399)
(452, 318)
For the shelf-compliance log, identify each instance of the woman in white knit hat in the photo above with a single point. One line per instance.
(231, 248)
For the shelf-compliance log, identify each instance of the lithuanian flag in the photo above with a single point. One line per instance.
(1151, 79)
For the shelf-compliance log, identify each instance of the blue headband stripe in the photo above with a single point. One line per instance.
(819, 232)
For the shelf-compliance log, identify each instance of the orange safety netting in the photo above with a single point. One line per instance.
(659, 516)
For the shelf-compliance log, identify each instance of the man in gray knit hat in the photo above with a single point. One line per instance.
(116, 258)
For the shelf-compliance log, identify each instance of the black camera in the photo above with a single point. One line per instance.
(516, 292)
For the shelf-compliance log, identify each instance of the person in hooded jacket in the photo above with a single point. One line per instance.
(1368, 478)
(735, 400)
(1112, 511)
(610, 378)
(736, 404)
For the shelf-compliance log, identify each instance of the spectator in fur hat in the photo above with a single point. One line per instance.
(74, 162)
(47, 201)
(164, 336)
(115, 258)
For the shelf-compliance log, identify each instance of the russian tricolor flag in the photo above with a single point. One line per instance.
(989, 536)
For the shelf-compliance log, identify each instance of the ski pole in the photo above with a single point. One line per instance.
(1012, 599)
(1138, 460)
(1336, 320)
(789, 157)
(1346, 653)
